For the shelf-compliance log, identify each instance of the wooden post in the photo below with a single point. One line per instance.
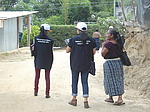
(28, 30)
(18, 32)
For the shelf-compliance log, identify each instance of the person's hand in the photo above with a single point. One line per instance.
(103, 43)
(32, 48)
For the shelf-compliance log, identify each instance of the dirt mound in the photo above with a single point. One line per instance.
(137, 45)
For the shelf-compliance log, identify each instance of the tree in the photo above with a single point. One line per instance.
(26, 1)
(79, 10)
(7, 4)
(95, 5)
(102, 5)
(21, 6)
(54, 20)
(65, 10)
(46, 8)
(101, 9)
(124, 16)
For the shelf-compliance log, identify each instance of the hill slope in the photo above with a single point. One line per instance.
(137, 45)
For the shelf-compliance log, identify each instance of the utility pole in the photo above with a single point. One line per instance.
(114, 8)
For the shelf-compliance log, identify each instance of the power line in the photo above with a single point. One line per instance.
(80, 6)
(76, 3)
(60, 4)
(77, 6)
(69, 7)
(99, 5)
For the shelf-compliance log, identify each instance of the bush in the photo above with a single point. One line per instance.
(35, 30)
(59, 33)
(104, 24)
(62, 32)
(103, 14)
(54, 20)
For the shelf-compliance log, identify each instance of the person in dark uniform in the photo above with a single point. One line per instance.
(80, 47)
(42, 50)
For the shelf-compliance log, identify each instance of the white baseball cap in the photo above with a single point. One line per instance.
(46, 27)
(111, 27)
(81, 26)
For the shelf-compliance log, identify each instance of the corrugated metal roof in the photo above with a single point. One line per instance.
(12, 14)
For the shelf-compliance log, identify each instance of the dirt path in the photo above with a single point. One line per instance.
(16, 87)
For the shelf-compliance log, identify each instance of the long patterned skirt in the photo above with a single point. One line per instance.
(113, 77)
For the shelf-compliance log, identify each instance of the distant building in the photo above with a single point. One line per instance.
(11, 25)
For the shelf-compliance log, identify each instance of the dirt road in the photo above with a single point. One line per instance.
(16, 87)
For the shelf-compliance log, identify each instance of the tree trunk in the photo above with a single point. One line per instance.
(124, 16)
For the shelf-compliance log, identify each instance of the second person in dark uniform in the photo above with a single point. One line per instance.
(43, 57)
(79, 47)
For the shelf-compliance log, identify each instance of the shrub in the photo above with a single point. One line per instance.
(104, 24)
(62, 32)
(59, 33)
(54, 20)
(35, 30)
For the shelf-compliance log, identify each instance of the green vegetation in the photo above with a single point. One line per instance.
(62, 14)
(35, 30)
(59, 33)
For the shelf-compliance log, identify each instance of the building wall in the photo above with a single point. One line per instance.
(1, 36)
(9, 40)
(1, 39)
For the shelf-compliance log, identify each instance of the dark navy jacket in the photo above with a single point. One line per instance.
(43, 52)
(79, 56)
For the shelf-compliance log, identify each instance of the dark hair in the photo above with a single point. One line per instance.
(96, 29)
(113, 32)
(117, 37)
(84, 36)
(42, 32)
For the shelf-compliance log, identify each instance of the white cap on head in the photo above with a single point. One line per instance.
(111, 27)
(81, 26)
(46, 27)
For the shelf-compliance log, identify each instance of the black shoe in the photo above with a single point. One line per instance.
(35, 94)
(47, 96)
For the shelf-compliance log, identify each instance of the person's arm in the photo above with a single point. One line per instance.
(104, 50)
(100, 35)
(32, 46)
(93, 35)
(94, 51)
(68, 49)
